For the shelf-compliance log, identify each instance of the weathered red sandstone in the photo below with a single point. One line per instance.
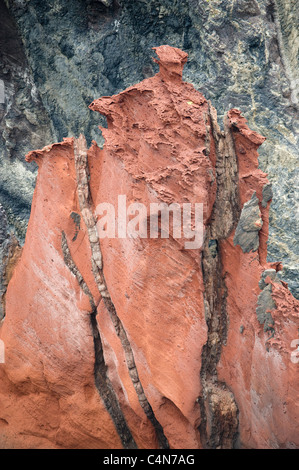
(140, 342)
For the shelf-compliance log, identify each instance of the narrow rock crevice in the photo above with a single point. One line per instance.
(106, 391)
(74, 270)
(102, 381)
(219, 411)
(82, 172)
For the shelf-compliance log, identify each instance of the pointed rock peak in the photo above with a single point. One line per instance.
(171, 62)
(37, 155)
(238, 123)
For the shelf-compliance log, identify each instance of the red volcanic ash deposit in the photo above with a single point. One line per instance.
(140, 342)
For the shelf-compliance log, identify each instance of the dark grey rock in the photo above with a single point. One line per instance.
(213, 247)
(267, 194)
(265, 303)
(3, 226)
(4, 236)
(268, 272)
(8, 245)
(246, 7)
(249, 225)
(24, 125)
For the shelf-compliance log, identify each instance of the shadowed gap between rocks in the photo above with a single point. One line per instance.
(86, 206)
(219, 423)
(102, 381)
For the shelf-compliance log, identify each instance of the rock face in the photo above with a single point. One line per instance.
(249, 225)
(24, 125)
(141, 342)
(242, 54)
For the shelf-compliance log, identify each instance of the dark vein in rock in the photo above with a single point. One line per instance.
(82, 172)
(219, 411)
(102, 381)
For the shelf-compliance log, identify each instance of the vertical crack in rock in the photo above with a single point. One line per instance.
(74, 270)
(102, 381)
(76, 218)
(82, 172)
(219, 411)
(249, 225)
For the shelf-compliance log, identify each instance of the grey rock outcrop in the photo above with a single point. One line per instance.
(24, 124)
(249, 225)
(267, 194)
(265, 302)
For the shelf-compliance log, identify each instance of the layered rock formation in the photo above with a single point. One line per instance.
(134, 342)
(242, 54)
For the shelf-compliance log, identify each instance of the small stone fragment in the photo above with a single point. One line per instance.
(267, 194)
(268, 272)
(249, 226)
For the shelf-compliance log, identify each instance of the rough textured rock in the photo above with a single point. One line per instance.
(255, 363)
(249, 225)
(241, 54)
(24, 125)
(140, 342)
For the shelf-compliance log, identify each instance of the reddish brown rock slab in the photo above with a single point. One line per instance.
(257, 368)
(47, 393)
(261, 375)
(84, 372)
(155, 150)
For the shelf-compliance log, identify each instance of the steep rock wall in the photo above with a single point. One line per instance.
(140, 342)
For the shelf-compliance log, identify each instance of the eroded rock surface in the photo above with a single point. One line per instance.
(242, 54)
(141, 342)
